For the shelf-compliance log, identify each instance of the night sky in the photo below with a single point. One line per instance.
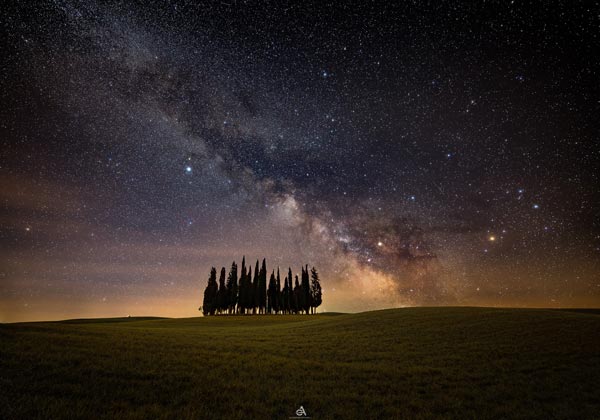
(427, 153)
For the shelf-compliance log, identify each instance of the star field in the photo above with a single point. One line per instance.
(417, 154)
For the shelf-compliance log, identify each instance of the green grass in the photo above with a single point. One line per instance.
(404, 363)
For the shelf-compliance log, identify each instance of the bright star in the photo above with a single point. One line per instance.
(188, 169)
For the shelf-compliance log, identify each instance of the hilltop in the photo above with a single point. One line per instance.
(413, 362)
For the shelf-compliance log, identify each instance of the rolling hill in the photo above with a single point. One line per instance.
(397, 363)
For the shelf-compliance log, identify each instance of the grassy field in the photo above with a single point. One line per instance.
(403, 363)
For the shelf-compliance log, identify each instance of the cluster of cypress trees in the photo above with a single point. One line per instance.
(250, 295)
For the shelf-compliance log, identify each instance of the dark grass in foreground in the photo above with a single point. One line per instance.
(404, 363)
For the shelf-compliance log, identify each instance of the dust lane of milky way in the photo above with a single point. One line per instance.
(416, 155)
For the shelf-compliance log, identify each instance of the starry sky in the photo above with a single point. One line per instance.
(419, 153)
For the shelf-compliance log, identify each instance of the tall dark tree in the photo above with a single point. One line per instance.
(300, 297)
(242, 293)
(305, 292)
(249, 296)
(296, 296)
(262, 287)
(255, 289)
(222, 301)
(232, 288)
(290, 292)
(271, 294)
(277, 305)
(210, 294)
(315, 289)
(286, 296)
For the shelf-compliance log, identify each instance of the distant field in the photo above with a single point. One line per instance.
(462, 363)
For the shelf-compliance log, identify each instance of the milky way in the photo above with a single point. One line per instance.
(437, 154)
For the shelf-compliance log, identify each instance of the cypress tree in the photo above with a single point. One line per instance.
(283, 296)
(296, 296)
(300, 297)
(315, 290)
(210, 294)
(222, 293)
(305, 290)
(286, 296)
(290, 293)
(271, 293)
(255, 288)
(249, 295)
(278, 293)
(242, 293)
(262, 287)
(232, 288)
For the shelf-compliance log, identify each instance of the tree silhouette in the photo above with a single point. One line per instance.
(286, 295)
(243, 293)
(315, 290)
(283, 306)
(305, 291)
(250, 295)
(290, 292)
(232, 288)
(255, 289)
(222, 302)
(262, 288)
(278, 301)
(296, 296)
(271, 293)
(210, 293)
